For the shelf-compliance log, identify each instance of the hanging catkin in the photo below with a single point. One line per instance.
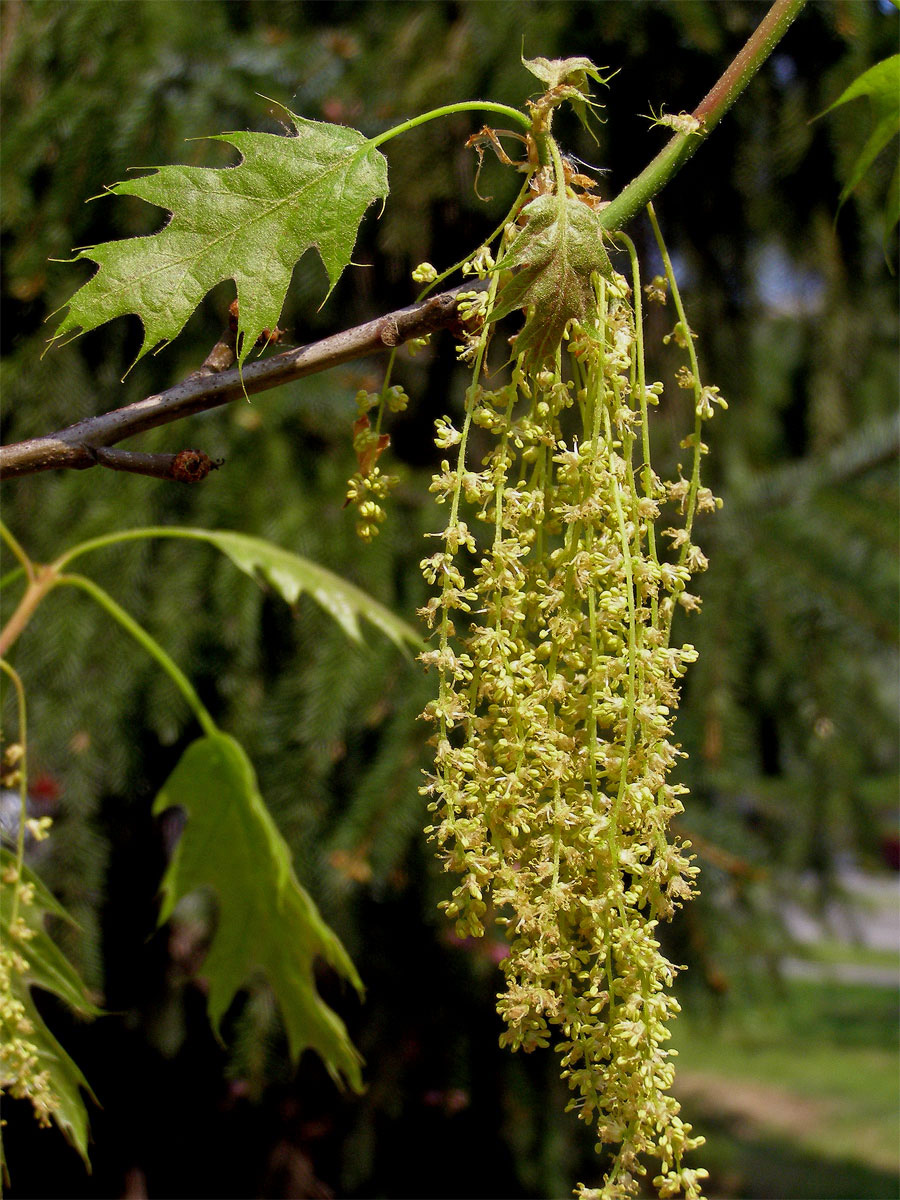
(558, 687)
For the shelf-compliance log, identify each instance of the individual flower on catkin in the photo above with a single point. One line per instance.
(558, 687)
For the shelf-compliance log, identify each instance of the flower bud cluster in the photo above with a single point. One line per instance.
(368, 486)
(552, 727)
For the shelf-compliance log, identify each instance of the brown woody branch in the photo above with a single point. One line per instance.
(83, 444)
(188, 466)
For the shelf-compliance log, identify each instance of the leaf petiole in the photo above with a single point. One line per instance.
(11, 577)
(26, 564)
(449, 110)
(23, 781)
(148, 643)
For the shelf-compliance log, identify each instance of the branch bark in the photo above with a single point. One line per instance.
(78, 444)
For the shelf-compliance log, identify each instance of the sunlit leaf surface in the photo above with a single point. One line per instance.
(250, 223)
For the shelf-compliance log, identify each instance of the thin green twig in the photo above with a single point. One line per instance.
(153, 648)
(23, 784)
(449, 110)
(26, 564)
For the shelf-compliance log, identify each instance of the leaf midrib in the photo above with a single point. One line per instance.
(234, 231)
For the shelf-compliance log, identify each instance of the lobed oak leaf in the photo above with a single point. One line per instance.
(554, 255)
(250, 222)
(292, 576)
(267, 923)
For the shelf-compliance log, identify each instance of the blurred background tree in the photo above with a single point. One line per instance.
(789, 717)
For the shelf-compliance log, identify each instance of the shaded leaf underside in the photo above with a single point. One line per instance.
(291, 576)
(881, 83)
(267, 923)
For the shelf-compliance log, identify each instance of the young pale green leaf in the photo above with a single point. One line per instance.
(564, 72)
(554, 255)
(292, 575)
(881, 84)
(567, 79)
(250, 223)
(267, 923)
(48, 968)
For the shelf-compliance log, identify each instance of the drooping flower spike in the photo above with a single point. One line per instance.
(558, 686)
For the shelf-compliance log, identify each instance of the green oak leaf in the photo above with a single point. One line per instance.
(48, 968)
(267, 923)
(881, 84)
(250, 223)
(292, 576)
(554, 255)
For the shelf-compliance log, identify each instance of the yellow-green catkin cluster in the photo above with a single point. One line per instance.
(22, 1074)
(369, 487)
(553, 723)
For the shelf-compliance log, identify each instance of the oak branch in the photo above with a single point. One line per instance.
(86, 443)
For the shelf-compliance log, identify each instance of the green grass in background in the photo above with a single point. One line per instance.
(798, 1098)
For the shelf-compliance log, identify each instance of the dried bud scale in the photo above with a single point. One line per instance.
(553, 721)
